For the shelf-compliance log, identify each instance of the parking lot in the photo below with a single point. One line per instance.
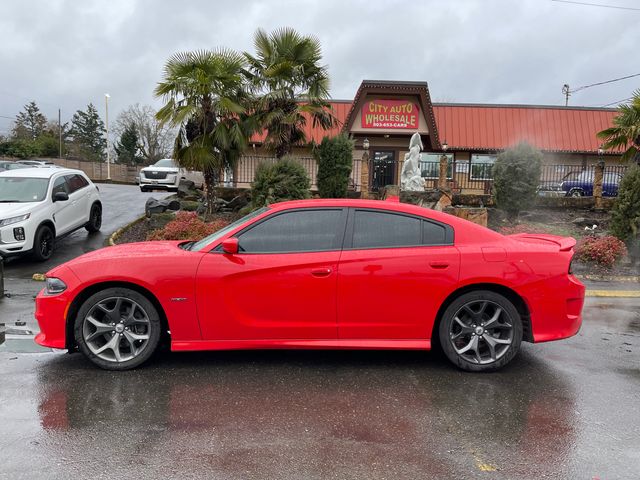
(560, 410)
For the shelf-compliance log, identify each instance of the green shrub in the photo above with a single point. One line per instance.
(516, 175)
(20, 148)
(188, 205)
(277, 181)
(335, 161)
(625, 216)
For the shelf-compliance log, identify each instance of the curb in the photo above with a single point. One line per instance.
(613, 293)
(118, 233)
(610, 278)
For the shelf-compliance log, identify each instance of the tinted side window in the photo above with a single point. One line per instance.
(60, 185)
(76, 182)
(382, 229)
(297, 231)
(434, 234)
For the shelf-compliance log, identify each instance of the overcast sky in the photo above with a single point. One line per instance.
(65, 54)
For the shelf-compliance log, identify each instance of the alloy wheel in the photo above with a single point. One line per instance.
(46, 244)
(481, 332)
(116, 329)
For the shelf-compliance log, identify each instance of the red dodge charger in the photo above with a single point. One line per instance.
(327, 274)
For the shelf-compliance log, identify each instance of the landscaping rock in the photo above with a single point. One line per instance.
(154, 206)
(187, 188)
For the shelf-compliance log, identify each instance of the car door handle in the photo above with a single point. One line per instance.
(439, 265)
(321, 272)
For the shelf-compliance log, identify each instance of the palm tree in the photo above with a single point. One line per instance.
(291, 85)
(207, 101)
(625, 132)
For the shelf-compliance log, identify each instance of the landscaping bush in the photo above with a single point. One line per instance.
(186, 226)
(335, 161)
(604, 251)
(282, 180)
(625, 216)
(516, 175)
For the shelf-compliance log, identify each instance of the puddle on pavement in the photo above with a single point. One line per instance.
(22, 344)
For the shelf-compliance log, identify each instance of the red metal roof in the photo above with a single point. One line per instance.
(496, 127)
(473, 127)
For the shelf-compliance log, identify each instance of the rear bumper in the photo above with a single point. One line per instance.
(556, 308)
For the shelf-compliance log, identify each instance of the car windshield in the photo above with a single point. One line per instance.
(220, 233)
(22, 190)
(165, 162)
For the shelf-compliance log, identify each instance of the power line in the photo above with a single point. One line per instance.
(617, 102)
(618, 7)
(603, 83)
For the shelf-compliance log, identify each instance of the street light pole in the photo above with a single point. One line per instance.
(106, 105)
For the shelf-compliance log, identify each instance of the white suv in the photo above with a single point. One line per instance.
(165, 174)
(38, 205)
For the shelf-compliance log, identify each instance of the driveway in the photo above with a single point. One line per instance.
(121, 204)
(565, 409)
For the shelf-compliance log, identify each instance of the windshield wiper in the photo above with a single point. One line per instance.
(187, 246)
(10, 201)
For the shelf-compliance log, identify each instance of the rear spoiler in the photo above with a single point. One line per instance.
(564, 243)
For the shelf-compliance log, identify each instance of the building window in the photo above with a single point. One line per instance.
(481, 166)
(430, 165)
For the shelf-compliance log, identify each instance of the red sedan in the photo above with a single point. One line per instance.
(327, 274)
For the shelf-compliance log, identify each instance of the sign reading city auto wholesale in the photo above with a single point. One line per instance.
(390, 114)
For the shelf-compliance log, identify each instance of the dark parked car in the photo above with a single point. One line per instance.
(582, 185)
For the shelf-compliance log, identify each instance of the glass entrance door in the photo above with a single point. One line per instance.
(383, 169)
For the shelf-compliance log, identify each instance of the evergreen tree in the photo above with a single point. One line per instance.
(127, 148)
(516, 175)
(30, 123)
(625, 217)
(335, 160)
(88, 132)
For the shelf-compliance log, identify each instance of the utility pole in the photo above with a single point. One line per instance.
(567, 92)
(106, 104)
(59, 135)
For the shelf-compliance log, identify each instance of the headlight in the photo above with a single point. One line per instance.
(55, 285)
(9, 221)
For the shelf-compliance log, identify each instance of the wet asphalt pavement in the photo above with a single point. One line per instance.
(567, 410)
(121, 205)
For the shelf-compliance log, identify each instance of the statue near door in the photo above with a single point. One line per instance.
(411, 176)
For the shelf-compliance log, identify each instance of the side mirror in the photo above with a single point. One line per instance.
(60, 197)
(230, 246)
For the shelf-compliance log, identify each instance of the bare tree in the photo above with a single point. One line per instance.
(155, 140)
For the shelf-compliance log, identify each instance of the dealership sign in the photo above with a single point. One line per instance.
(390, 114)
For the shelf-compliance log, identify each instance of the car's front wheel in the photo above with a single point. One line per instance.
(117, 329)
(480, 331)
(43, 243)
(95, 219)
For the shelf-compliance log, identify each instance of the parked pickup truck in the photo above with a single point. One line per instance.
(582, 185)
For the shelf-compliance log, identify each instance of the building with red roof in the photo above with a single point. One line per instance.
(385, 114)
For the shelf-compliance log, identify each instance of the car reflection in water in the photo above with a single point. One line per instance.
(314, 413)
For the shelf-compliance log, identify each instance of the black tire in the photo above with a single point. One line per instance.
(43, 243)
(462, 322)
(95, 219)
(143, 189)
(576, 192)
(91, 341)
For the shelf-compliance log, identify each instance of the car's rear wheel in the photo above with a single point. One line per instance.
(480, 331)
(117, 329)
(95, 219)
(43, 243)
(576, 192)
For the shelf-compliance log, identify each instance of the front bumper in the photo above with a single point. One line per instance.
(52, 311)
(9, 245)
(172, 181)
